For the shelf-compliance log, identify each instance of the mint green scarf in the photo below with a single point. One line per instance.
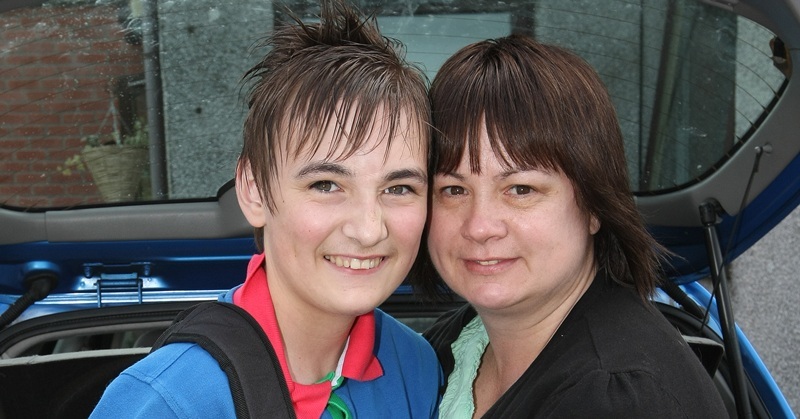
(458, 400)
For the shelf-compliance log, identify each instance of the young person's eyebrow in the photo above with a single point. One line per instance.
(415, 175)
(316, 168)
(323, 168)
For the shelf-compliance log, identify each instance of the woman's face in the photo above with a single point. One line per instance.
(510, 239)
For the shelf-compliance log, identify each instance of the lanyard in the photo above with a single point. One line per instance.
(336, 406)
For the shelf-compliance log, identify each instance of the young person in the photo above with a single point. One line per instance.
(533, 223)
(333, 176)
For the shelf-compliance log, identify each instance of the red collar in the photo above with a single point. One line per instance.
(360, 363)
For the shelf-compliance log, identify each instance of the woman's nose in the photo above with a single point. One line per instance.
(483, 221)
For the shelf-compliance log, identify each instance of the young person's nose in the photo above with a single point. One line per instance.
(483, 221)
(366, 223)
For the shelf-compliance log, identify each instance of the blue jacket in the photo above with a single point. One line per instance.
(181, 380)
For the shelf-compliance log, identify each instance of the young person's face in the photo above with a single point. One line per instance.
(345, 232)
(509, 239)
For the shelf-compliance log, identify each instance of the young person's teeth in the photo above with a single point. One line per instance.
(354, 263)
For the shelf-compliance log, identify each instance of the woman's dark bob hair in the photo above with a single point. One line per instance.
(544, 107)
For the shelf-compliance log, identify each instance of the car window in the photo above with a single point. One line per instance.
(107, 102)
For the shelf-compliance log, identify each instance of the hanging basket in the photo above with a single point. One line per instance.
(117, 170)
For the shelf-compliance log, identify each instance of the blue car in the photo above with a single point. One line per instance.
(120, 126)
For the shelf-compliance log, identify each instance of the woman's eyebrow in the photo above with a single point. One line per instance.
(501, 176)
(508, 173)
(415, 175)
(457, 176)
(314, 168)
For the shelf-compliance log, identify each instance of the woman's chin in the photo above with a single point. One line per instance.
(492, 298)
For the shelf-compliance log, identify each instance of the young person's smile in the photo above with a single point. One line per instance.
(354, 262)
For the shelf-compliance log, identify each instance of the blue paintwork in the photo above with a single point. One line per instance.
(178, 264)
(754, 367)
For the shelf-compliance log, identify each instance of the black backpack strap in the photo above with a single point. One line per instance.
(237, 342)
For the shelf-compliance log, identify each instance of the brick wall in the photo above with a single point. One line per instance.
(58, 67)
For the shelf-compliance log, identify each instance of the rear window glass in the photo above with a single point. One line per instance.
(139, 100)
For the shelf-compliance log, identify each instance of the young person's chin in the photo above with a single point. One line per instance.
(354, 310)
(358, 303)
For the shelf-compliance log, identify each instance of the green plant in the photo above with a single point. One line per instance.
(137, 138)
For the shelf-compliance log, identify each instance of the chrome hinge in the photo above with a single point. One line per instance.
(117, 280)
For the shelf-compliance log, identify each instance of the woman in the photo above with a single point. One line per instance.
(534, 225)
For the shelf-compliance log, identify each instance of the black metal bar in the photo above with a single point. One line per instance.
(154, 99)
(708, 216)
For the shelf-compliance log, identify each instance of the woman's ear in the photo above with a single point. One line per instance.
(594, 224)
(248, 195)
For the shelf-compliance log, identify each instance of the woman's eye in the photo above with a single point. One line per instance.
(325, 186)
(398, 190)
(453, 190)
(520, 190)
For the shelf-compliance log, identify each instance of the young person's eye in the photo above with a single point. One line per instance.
(325, 186)
(521, 190)
(399, 190)
(453, 190)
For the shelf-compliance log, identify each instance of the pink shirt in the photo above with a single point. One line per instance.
(309, 400)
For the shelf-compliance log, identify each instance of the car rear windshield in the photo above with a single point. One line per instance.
(107, 102)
